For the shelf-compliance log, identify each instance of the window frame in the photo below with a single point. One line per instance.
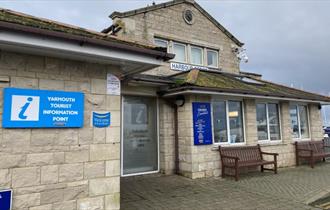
(268, 125)
(299, 126)
(202, 55)
(217, 58)
(228, 122)
(185, 51)
(162, 40)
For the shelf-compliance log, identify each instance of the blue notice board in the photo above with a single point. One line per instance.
(202, 123)
(28, 108)
(5, 199)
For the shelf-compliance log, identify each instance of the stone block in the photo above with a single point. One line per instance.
(26, 201)
(16, 137)
(112, 168)
(86, 136)
(112, 202)
(70, 172)
(39, 159)
(94, 169)
(104, 152)
(5, 178)
(50, 84)
(11, 161)
(51, 196)
(58, 157)
(103, 186)
(43, 137)
(49, 174)
(77, 156)
(67, 205)
(68, 137)
(99, 86)
(96, 203)
(43, 207)
(24, 177)
(35, 63)
(99, 135)
(75, 192)
(113, 134)
(24, 82)
(113, 103)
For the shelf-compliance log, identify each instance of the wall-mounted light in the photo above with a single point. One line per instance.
(180, 100)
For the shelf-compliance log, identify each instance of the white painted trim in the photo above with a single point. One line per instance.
(241, 95)
(64, 48)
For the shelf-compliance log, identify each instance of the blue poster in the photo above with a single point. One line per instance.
(101, 120)
(28, 108)
(202, 123)
(5, 199)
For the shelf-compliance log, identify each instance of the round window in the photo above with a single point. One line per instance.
(188, 16)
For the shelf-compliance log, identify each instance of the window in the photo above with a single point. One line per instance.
(161, 43)
(212, 58)
(228, 122)
(180, 52)
(268, 122)
(196, 56)
(299, 122)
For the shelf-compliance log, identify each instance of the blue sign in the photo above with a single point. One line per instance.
(26, 108)
(5, 199)
(101, 120)
(202, 123)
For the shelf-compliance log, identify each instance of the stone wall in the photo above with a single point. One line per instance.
(61, 168)
(204, 161)
(168, 23)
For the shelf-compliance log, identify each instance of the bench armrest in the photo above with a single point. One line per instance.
(269, 153)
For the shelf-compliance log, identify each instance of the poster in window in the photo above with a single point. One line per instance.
(139, 114)
(202, 123)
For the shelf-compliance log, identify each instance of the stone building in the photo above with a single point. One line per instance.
(80, 109)
(61, 166)
(244, 109)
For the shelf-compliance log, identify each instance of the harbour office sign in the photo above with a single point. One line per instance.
(28, 108)
(186, 67)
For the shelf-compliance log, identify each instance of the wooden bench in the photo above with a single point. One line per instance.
(311, 151)
(242, 157)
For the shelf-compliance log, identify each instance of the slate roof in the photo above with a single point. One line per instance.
(172, 3)
(238, 84)
(19, 21)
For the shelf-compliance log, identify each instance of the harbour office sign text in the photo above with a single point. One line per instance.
(186, 67)
(25, 108)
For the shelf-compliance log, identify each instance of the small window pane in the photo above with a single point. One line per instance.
(304, 127)
(235, 122)
(294, 122)
(219, 122)
(180, 52)
(196, 56)
(262, 122)
(212, 58)
(274, 122)
(161, 43)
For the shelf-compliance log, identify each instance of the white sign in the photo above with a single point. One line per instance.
(186, 67)
(113, 85)
(25, 108)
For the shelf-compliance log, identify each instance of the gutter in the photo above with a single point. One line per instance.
(82, 40)
(242, 95)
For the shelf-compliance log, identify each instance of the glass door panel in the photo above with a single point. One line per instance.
(140, 143)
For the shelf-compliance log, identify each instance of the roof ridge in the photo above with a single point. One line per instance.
(116, 14)
(292, 88)
(46, 20)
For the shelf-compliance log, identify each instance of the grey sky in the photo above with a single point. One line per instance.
(286, 41)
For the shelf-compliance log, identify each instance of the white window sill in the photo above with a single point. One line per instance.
(271, 142)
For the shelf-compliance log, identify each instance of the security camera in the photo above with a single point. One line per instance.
(246, 59)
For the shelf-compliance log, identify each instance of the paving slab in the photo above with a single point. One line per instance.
(292, 188)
